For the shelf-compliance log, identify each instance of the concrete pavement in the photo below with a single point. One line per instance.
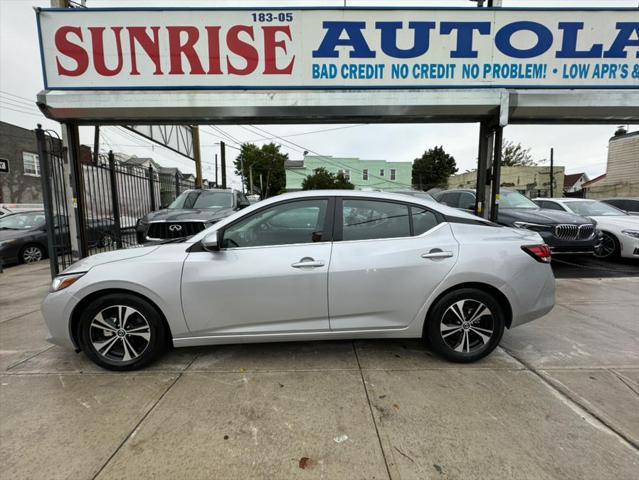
(560, 400)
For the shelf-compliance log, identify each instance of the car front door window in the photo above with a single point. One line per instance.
(283, 224)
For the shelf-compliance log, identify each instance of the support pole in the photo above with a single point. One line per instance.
(552, 172)
(496, 175)
(115, 201)
(223, 163)
(77, 217)
(195, 133)
(484, 154)
(45, 168)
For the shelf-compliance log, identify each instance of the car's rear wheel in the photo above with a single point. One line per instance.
(122, 332)
(608, 248)
(465, 325)
(32, 253)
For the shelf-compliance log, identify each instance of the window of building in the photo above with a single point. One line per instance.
(381, 172)
(31, 164)
(393, 173)
(365, 174)
(370, 219)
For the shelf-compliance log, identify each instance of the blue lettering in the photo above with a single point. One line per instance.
(504, 37)
(618, 48)
(356, 40)
(569, 42)
(421, 38)
(465, 32)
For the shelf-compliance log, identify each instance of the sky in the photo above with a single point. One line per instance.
(581, 148)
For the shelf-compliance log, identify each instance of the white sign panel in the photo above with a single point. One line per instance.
(355, 48)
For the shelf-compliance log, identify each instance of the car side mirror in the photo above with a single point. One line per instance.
(243, 205)
(210, 242)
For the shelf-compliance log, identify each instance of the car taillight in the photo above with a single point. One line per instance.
(541, 253)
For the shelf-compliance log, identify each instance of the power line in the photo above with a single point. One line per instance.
(17, 96)
(25, 112)
(330, 160)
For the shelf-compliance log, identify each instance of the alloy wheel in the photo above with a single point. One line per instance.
(120, 333)
(467, 326)
(606, 247)
(32, 254)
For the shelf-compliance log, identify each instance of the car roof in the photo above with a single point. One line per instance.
(567, 199)
(400, 197)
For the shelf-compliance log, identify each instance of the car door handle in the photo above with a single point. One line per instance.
(308, 263)
(438, 254)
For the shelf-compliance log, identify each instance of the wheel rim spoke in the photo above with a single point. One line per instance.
(104, 347)
(100, 322)
(458, 309)
(484, 338)
(451, 333)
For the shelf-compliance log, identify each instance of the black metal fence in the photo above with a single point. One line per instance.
(114, 196)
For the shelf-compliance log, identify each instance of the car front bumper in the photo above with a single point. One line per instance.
(629, 246)
(559, 246)
(56, 309)
(9, 253)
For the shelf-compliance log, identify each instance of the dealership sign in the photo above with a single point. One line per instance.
(325, 48)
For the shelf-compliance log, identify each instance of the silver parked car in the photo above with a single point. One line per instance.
(309, 266)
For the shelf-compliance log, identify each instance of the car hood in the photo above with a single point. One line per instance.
(11, 234)
(543, 217)
(88, 263)
(617, 222)
(182, 215)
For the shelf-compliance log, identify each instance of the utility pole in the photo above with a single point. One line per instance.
(223, 162)
(250, 179)
(195, 133)
(552, 173)
(216, 179)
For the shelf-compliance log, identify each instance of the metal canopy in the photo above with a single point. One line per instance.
(341, 106)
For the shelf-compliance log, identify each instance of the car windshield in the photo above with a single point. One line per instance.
(203, 199)
(516, 200)
(594, 209)
(22, 221)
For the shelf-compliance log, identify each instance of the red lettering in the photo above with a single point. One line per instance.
(270, 50)
(215, 67)
(71, 50)
(177, 49)
(97, 39)
(150, 45)
(243, 49)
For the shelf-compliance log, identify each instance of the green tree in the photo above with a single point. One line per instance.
(265, 165)
(322, 179)
(515, 155)
(433, 168)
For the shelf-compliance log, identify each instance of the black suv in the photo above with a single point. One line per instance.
(564, 232)
(190, 213)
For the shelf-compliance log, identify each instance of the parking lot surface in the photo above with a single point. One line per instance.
(559, 400)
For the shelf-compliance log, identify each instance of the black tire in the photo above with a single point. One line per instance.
(609, 247)
(465, 343)
(117, 348)
(32, 252)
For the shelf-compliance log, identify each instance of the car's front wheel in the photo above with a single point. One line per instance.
(465, 325)
(122, 332)
(608, 247)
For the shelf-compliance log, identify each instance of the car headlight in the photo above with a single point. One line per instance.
(533, 226)
(141, 222)
(631, 233)
(64, 281)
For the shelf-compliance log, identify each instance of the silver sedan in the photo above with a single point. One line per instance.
(308, 266)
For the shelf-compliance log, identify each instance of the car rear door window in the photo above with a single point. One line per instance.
(282, 224)
(370, 219)
(423, 220)
(466, 201)
(551, 206)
